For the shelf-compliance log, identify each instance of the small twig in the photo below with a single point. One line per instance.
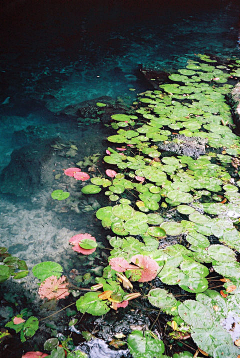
(53, 314)
(155, 320)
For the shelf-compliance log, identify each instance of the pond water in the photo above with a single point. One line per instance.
(59, 53)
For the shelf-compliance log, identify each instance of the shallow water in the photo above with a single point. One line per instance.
(64, 53)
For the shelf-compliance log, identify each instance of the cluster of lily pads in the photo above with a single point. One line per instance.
(173, 182)
(194, 199)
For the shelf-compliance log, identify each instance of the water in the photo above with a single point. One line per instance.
(60, 53)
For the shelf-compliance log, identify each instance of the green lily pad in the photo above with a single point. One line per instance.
(88, 244)
(210, 339)
(193, 268)
(198, 218)
(4, 273)
(105, 212)
(46, 269)
(228, 269)
(137, 225)
(60, 194)
(197, 239)
(92, 304)
(91, 189)
(113, 197)
(162, 299)
(170, 275)
(185, 209)
(180, 196)
(123, 211)
(119, 228)
(172, 228)
(193, 284)
(156, 232)
(195, 314)
(221, 253)
(144, 345)
(154, 219)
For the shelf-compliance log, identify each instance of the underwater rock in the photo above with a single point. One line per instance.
(235, 101)
(31, 134)
(92, 111)
(153, 76)
(181, 145)
(28, 169)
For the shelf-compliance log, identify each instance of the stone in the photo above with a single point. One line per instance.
(190, 146)
(28, 170)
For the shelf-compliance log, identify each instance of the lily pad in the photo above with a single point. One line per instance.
(91, 189)
(185, 209)
(60, 194)
(162, 299)
(156, 232)
(144, 345)
(221, 253)
(92, 304)
(195, 314)
(180, 196)
(154, 219)
(172, 228)
(46, 269)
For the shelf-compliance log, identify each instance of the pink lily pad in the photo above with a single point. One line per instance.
(76, 239)
(148, 265)
(35, 355)
(71, 171)
(122, 304)
(18, 320)
(111, 173)
(120, 264)
(81, 176)
(138, 178)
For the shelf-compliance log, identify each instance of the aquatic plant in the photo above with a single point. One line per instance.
(54, 288)
(176, 177)
(192, 119)
(71, 171)
(60, 194)
(36, 354)
(27, 328)
(83, 243)
(81, 176)
(11, 266)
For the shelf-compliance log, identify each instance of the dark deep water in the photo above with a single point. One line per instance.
(59, 53)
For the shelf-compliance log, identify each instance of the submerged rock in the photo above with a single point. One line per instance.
(28, 169)
(181, 145)
(94, 110)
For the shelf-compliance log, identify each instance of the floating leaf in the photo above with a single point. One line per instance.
(162, 299)
(91, 189)
(156, 232)
(172, 228)
(60, 194)
(144, 345)
(46, 269)
(92, 304)
(154, 219)
(185, 209)
(221, 253)
(179, 196)
(195, 314)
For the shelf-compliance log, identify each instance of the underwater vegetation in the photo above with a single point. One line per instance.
(173, 179)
